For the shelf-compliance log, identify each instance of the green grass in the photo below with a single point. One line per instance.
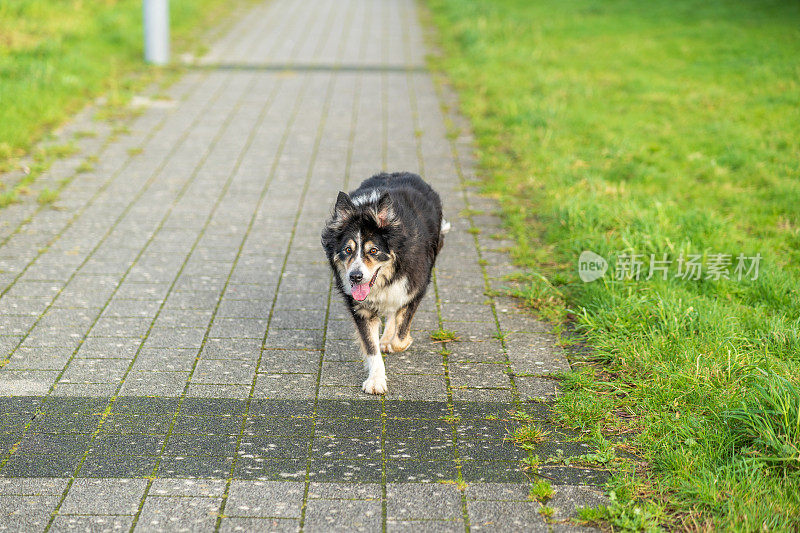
(55, 56)
(541, 491)
(663, 127)
(527, 436)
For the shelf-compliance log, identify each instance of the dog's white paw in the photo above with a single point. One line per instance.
(375, 385)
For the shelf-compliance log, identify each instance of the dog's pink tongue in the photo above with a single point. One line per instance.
(360, 292)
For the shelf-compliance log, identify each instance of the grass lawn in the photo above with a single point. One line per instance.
(56, 55)
(665, 127)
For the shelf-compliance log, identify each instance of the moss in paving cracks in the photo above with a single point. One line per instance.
(41, 160)
(547, 512)
(643, 129)
(47, 196)
(443, 335)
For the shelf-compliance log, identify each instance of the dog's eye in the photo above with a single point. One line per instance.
(373, 251)
(348, 250)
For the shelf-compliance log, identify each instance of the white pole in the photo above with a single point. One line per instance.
(156, 31)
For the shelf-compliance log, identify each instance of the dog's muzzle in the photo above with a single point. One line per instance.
(361, 291)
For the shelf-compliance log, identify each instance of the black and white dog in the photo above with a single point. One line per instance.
(382, 241)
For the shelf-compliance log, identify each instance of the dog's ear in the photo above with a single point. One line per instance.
(344, 207)
(384, 212)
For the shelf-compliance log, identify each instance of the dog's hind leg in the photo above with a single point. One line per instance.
(388, 333)
(402, 337)
(368, 330)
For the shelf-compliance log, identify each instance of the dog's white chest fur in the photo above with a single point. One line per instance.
(390, 298)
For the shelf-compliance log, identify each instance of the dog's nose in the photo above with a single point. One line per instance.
(356, 277)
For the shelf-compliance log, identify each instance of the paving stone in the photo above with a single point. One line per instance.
(277, 525)
(92, 523)
(498, 491)
(145, 405)
(27, 507)
(109, 347)
(284, 386)
(493, 471)
(277, 499)
(441, 449)
(487, 410)
(565, 475)
(167, 384)
(293, 339)
(344, 491)
(170, 513)
(202, 466)
(274, 447)
(84, 389)
(95, 370)
(506, 515)
(63, 423)
(113, 466)
(127, 444)
(22, 486)
(165, 359)
(104, 496)
(182, 445)
(231, 349)
(244, 308)
(478, 375)
(566, 498)
(222, 371)
(175, 338)
(239, 328)
(343, 448)
(416, 387)
(136, 423)
(489, 450)
(482, 395)
(121, 327)
(131, 308)
(188, 487)
(184, 318)
(39, 465)
(39, 359)
(405, 501)
(428, 526)
(348, 515)
(536, 388)
(420, 471)
(270, 469)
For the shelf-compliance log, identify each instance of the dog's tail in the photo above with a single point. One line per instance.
(444, 228)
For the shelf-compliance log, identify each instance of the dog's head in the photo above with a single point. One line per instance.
(357, 241)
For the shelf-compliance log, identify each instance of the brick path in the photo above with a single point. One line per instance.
(175, 357)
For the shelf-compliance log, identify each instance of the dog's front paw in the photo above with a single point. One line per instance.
(375, 385)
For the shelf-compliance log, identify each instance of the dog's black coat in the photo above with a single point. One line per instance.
(411, 233)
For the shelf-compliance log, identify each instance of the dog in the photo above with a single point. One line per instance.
(381, 242)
